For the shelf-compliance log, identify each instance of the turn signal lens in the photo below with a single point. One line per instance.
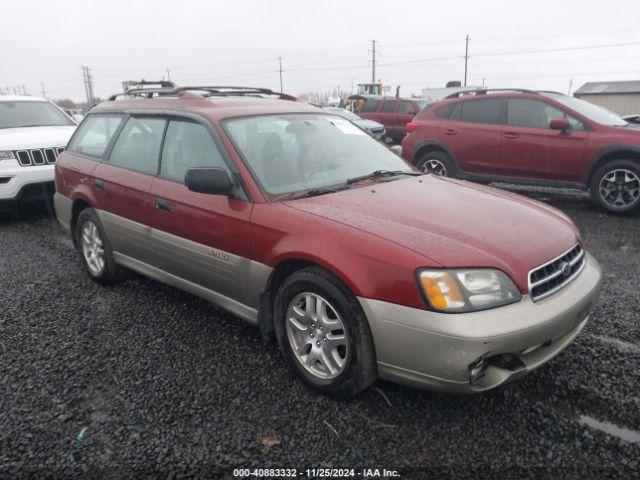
(467, 290)
(441, 290)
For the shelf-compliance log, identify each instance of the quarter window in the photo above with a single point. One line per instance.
(188, 145)
(94, 134)
(388, 107)
(481, 111)
(138, 146)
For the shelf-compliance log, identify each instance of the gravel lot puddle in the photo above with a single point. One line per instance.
(625, 434)
(622, 345)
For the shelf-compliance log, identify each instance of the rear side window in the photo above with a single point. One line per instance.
(94, 134)
(370, 106)
(481, 111)
(442, 112)
(138, 145)
(388, 107)
(188, 145)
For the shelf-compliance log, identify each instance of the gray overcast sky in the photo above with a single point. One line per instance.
(324, 43)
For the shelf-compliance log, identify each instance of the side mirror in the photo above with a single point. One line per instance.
(214, 181)
(561, 124)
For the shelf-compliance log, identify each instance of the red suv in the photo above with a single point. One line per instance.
(542, 138)
(299, 222)
(394, 113)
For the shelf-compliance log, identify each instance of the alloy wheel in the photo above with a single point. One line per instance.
(92, 247)
(620, 188)
(432, 165)
(317, 335)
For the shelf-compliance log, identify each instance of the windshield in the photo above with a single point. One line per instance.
(298, 152)
(589, 110)
(343, 113)
(31, 114)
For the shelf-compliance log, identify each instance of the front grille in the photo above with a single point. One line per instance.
(377, 130)
(38, 156)
(552, 276)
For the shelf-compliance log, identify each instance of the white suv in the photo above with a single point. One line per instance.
(33, 132)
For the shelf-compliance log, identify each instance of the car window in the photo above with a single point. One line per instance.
(407, 108)
(388, 107)
(31, 114)
(481, 111)
(552, 113)
(443, 111)
(138, 146)
(188, 145)
(94, 134)
(456, 112)
(370, 106)
(524, 112)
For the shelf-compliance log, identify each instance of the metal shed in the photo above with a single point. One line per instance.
(622, 97)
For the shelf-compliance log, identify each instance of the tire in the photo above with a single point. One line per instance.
(615, 187)
(436, 161)
(359, 368)
(109, 272)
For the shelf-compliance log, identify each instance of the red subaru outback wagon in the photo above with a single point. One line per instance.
(299, 222)
(542, 138)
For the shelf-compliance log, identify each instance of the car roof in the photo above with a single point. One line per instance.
(21, 98)
(214, 108)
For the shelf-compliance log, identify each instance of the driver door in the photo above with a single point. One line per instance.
(201, 238)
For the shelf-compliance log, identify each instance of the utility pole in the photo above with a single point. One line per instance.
(88, 84)
(168, 75)
(24, 90)
(280, 71)
(44, 93)
(373, 61)
(466, 58)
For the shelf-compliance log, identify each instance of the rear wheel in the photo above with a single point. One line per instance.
(95, 251)
(323, 334)
(616, 186)
(436, 162)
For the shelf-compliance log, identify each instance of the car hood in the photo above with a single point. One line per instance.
(452, 223)
(35, 137)
(368, 124)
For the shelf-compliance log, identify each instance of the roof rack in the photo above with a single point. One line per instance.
(484, 91)
(230, 91)
(145, 93)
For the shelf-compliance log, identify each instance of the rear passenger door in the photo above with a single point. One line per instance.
(473, 132)
(198, 237)
(122, 185)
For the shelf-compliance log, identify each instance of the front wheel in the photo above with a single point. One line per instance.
(436, 162)
(323, 334)
(616, 186)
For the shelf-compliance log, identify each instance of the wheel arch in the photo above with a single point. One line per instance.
(282, 270)
(79, 204)
(427, 146)
(608, 154)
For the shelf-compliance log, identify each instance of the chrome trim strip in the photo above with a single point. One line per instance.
(20, 161)
(246, 313)
(37, 156)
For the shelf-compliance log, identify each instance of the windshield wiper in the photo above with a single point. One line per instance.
(382, 173)
(314, 192)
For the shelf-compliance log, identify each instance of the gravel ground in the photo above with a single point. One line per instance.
(140, 379)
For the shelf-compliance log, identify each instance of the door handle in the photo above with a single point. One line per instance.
(162, 205)
(450, 131)
(511, 135)
(99, 184)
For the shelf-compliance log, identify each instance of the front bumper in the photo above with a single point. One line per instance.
(435, 351)
(14, 178)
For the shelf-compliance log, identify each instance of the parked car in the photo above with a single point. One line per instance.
(632, 118)
(375, 129)
(299, 222)
(541, 138)
(33, 132)
(394, 113)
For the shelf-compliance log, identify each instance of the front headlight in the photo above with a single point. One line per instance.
(457, 291)
(6, 155)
